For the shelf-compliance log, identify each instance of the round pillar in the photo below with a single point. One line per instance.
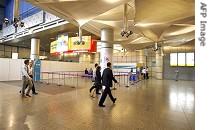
(106, 47)
(35, 44)
(159, 65)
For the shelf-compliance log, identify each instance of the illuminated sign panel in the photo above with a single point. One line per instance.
(72, 44)
(173, 59)
(53, 47)
(190, 59)
(75, 45)
(62, 43)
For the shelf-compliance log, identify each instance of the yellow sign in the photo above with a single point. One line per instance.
(53, 47)
(74, 43)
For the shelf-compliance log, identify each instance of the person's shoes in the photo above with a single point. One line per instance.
(98, 93)
(114, 100)
(35, 93)
(28, 95)
(101, 105)
(90, 90)
(24, 96)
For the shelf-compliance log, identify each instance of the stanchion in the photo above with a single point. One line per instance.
(48, 79)
(59, 79)
(72, 75)
(128, 82)
(124, 78)
(52, 77)
(119, 77)
(77, 80)
(64, 81)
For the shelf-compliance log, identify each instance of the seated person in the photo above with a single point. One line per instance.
(86, 71)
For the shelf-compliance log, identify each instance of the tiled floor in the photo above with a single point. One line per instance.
(150, 105)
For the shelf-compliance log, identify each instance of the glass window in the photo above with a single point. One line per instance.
(173, 59)
(181, 59)
(190, 59)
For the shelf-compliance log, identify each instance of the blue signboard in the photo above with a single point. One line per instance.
(37, 70)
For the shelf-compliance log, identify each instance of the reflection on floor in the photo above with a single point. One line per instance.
(149, 105)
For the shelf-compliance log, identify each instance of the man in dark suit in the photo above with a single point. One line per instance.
(107, 78)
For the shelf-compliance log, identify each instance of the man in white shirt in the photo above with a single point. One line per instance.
(27, 80)
(144, 73)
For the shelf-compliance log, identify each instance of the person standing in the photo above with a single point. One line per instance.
(90, 72)
(147, 73)
(177, 74)
(26, 79)
(107, 78)
(86, 71)
(144, 73)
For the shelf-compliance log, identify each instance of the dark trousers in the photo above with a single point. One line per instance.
(96, 86)
(144, 76)
(147, 76)
(33, 87)
(107, 90)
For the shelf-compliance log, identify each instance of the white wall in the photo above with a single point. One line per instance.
(10, 69)
(53, 66)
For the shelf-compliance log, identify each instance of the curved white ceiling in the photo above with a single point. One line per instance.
(170, 21)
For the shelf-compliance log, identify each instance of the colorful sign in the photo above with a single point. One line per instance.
(72, 44)
(53, 47)
(62, 43)
(75, 45)
(37, 70)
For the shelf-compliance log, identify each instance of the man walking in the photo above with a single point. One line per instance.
(31, 73)
(95, 76)
(27, 80)
(107, 78)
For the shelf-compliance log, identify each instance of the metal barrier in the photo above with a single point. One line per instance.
(60, 78)
(63, 78)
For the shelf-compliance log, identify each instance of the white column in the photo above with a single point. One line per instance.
(159, 65)
(35, 43)
(106, 47)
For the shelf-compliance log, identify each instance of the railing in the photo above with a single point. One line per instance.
(1, 34)
(64, 78)
(35, 20)
(30, 12)
(74, 78)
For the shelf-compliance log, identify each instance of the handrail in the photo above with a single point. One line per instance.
(29, 12)
(61, 77)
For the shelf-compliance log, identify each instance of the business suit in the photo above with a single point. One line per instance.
(107, 78)
(97, 83)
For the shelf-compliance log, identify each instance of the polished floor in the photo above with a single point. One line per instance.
(149, 105)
